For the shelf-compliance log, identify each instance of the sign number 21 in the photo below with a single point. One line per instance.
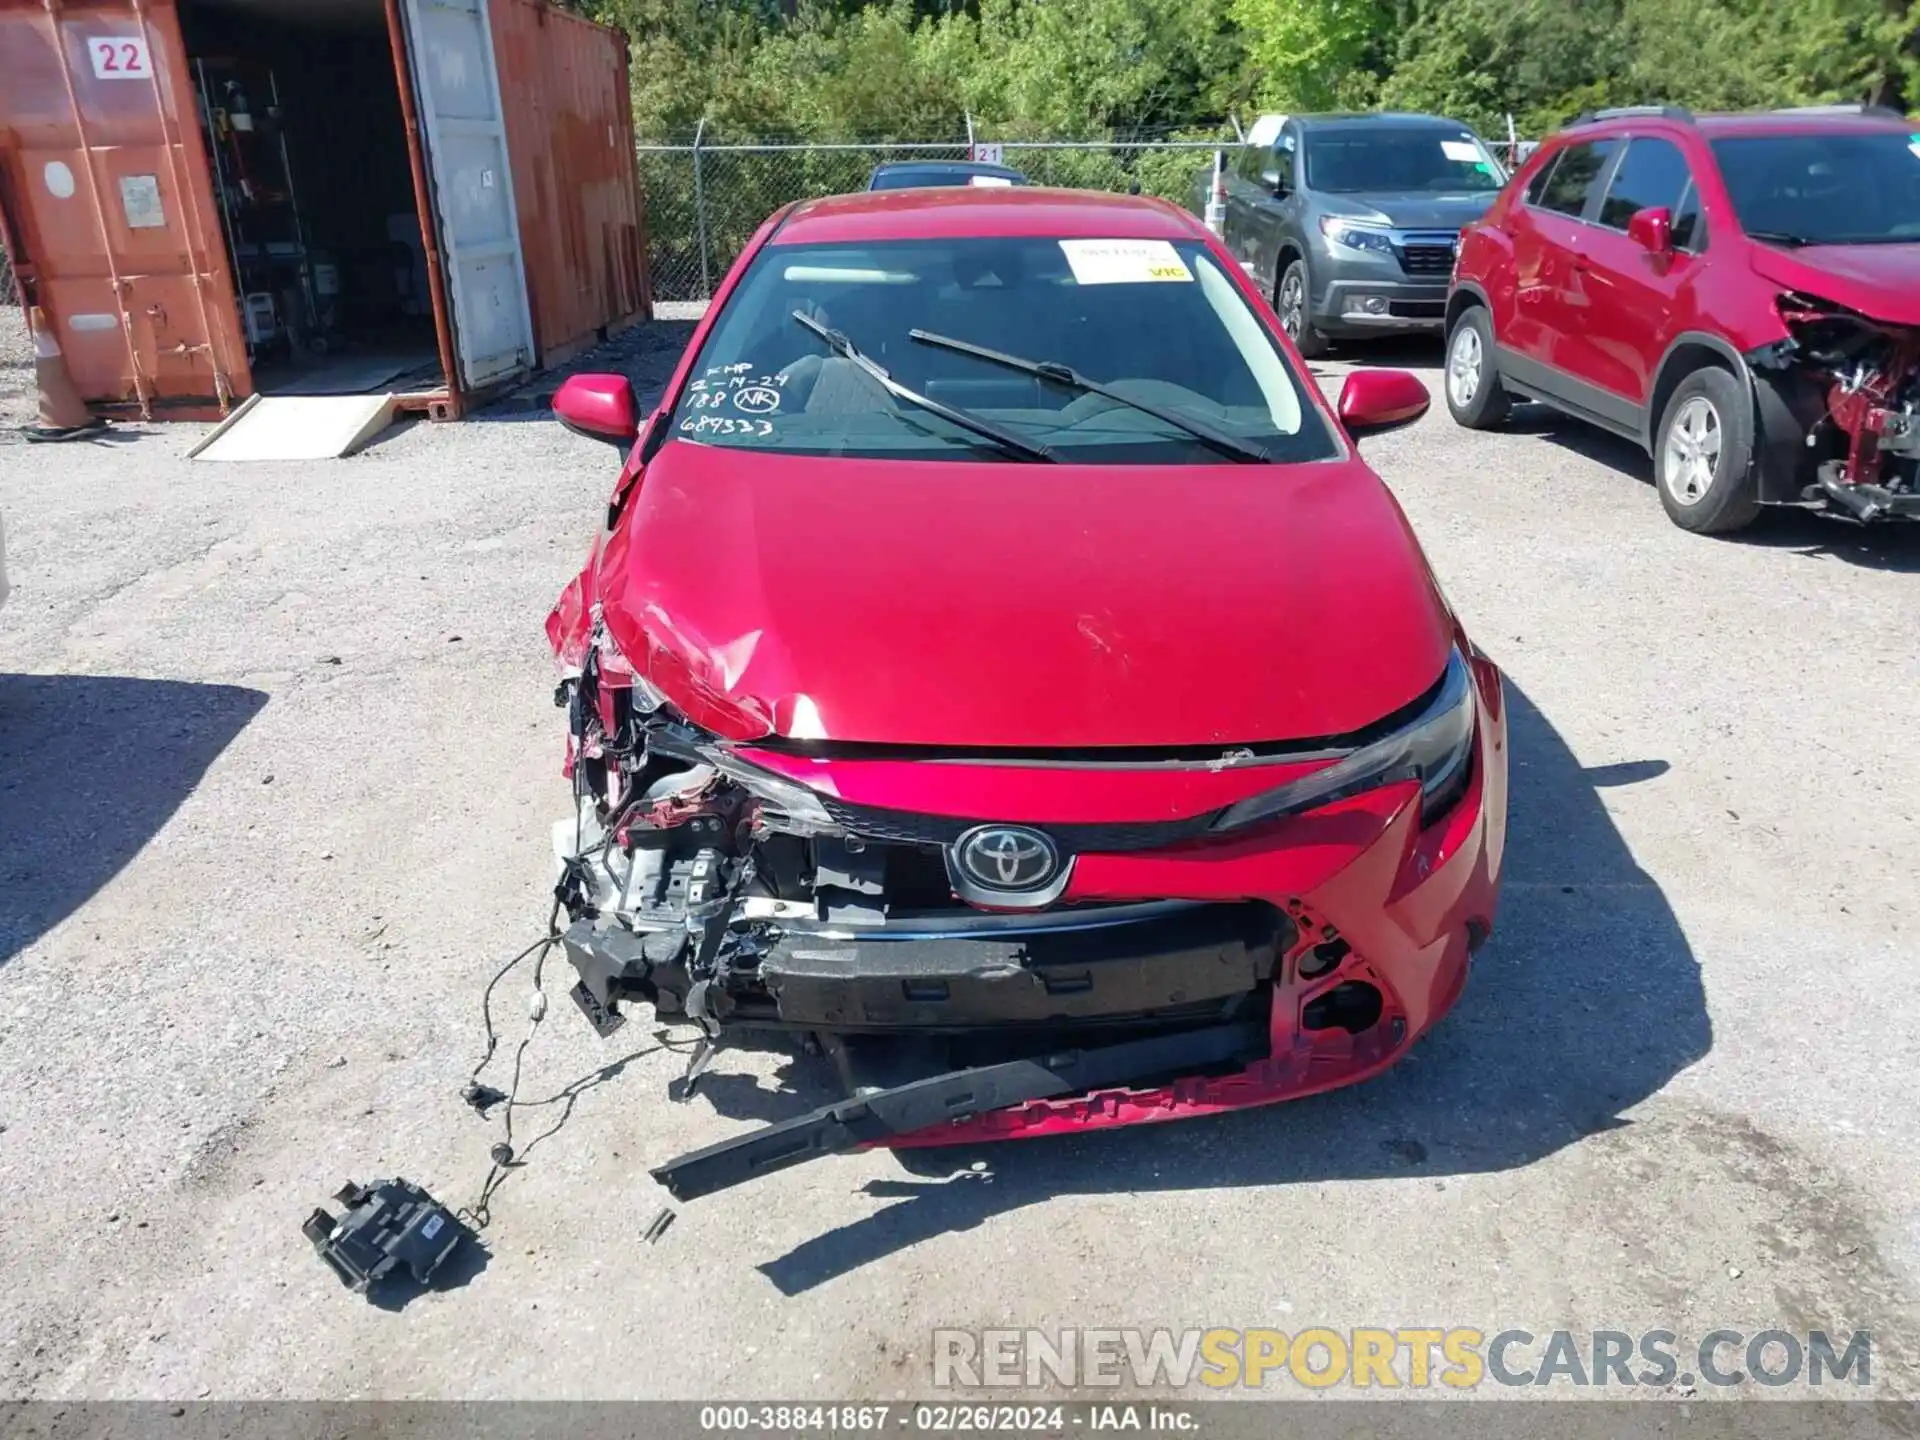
(120, 57)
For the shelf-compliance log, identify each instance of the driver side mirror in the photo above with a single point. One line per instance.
(1376, 400)
(1652, 229)
(1276, 182)
(600, 407)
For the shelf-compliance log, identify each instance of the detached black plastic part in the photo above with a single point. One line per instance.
(902, 1109)
(388, 1224)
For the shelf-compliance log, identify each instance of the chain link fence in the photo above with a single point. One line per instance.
(705, 200)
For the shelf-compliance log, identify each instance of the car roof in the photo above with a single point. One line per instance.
(970, 167)
(1760, 122)
(1389, 119)
(957, 211)
(1786, 122)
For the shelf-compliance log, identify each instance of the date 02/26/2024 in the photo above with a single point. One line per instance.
(942, 1419)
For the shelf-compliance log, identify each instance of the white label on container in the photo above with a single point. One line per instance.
(432, 1227)
(59, 180)
(1124, 262)
(1464, 150)
(93, 322)
(140, 198)
(120, 57)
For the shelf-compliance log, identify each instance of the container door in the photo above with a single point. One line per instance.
(103, 175)
(450, 48)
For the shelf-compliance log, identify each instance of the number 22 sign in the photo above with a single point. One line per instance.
(120, 57)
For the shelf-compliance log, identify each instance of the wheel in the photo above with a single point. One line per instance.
(1702, 457)
(1291, 301)
(1475, 396)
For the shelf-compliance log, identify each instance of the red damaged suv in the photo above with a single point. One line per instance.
(1738, 293)
(999, 673)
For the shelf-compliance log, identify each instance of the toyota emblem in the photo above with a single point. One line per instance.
(1006, 857)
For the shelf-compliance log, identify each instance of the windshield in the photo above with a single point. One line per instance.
(1858, 189)
(1348, 161)
(1157, 322)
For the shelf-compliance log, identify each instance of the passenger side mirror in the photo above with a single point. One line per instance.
(1652, 229)
(600, 407)
(1376, 400)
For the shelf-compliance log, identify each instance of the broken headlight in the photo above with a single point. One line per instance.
(785, 804)
(1435, 748)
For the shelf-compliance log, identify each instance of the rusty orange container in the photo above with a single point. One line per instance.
(107, 208)
(564, 92)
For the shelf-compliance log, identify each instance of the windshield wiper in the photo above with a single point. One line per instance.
(985, 429)
(1781, 237)
(1055, 373)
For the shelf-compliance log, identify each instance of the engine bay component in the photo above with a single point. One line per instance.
(386, 1225)
(1857, 382)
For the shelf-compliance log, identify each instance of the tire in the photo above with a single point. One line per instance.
(1703, 454)
(1293, 292)
(1475, 396)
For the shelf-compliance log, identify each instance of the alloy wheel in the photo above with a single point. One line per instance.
(1293, 304)
(1692, 451)
(1463, 367)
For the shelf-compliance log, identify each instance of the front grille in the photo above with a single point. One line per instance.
(902, 827)
(1427, 259)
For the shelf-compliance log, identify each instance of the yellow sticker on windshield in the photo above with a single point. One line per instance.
(1124, 262)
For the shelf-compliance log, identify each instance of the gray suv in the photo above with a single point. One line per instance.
(1351, 221)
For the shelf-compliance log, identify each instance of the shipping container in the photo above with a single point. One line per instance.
(564, 89)
(215, 198)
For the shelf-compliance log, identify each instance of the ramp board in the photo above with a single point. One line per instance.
(297, 427)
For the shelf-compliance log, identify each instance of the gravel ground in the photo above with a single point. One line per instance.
(277, 763)
(18, 399)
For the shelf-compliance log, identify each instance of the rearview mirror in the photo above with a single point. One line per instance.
(1376, 400)
(1652, 229)
(600, 407)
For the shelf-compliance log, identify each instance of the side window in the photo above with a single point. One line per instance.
(1653, 172)
(1538, 184)
(1572, 181)
(1689, 230)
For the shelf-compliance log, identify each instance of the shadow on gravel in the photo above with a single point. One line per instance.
(91, 766)
(1894, 547)
(1587, 1002)
(460, 1269)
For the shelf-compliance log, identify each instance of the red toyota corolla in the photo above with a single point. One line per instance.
(999, 671)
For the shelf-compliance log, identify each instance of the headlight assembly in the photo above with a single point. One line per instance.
(1354, 235)
(1435, 748)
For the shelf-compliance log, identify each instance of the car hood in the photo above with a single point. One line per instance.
(997, 604)
(1880, 281)
(1412, 209)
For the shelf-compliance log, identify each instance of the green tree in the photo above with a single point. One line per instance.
(1314, 54)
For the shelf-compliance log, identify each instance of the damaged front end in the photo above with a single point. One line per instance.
(970, 980)
(1852, 387)
(744, 903)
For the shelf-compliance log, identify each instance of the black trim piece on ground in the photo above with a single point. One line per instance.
(903, 1109)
